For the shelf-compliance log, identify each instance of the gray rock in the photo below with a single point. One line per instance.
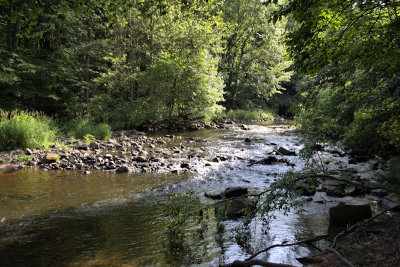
(244, 127)
(28, 152)
(237, 191)
(379, 192)
(185, 166)
(285, 152)
(349, 212)
(236, 208)
(141, 159)
(390, 201)
(122, 169)
(82, 147)
(94, 145)
(51, 158)
(213, 195)
(216, 159)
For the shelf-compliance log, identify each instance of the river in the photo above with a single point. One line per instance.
(67, 218)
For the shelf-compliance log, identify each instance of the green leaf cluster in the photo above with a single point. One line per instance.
(23, 130)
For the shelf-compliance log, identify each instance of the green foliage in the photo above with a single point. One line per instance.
(186, 87)
(247, 115)
(89, 138)
(182, 211)
(348, 54)
(19, 129)
(122, 63)
(253, 63)
(24, 158)
(88, 130)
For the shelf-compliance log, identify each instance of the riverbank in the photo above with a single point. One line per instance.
(126, 151)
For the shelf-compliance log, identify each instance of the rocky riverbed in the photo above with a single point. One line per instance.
(117, 190)
(126, 151)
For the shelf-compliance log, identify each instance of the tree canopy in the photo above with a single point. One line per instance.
(138, 62)
(349, 55)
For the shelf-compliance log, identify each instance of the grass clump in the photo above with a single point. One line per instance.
(86, 129)
(249, 115)
(20, 129)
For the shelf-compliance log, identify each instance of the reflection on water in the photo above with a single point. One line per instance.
(105, 219)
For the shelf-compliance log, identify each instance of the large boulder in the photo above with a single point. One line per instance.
(236, 208)
(230, 192)
(236, 191)
(349, 212)
(51, 158)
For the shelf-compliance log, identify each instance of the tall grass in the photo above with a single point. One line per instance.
(249, 115)
(20, 129)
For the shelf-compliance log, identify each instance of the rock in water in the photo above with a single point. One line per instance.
(122, 169)
(237, 191)
(285, 152)
(213, 195)
(349, 212)
(236, 208)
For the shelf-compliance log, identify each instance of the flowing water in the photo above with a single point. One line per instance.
(66, 218)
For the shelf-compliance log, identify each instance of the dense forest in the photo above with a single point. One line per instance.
(332, 65)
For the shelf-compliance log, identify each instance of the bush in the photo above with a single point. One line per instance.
(85, 127)
(20, 129)
(249, 115)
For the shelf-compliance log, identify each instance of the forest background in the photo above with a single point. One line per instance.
(333, 66)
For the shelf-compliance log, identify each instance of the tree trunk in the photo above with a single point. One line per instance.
(17, 28)
(10, 8)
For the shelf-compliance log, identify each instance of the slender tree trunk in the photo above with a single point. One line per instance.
(10, 9)
(17, 29)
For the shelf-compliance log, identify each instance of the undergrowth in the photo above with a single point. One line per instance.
(249, 115)
(86, 129)
(20, 129)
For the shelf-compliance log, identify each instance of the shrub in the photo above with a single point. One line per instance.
(249, 115)
(102, 131)
(20, 129)
(86, 127)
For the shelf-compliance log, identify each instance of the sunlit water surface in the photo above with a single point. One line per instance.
(66, 218)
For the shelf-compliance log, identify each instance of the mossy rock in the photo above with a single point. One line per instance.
(51, 158)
